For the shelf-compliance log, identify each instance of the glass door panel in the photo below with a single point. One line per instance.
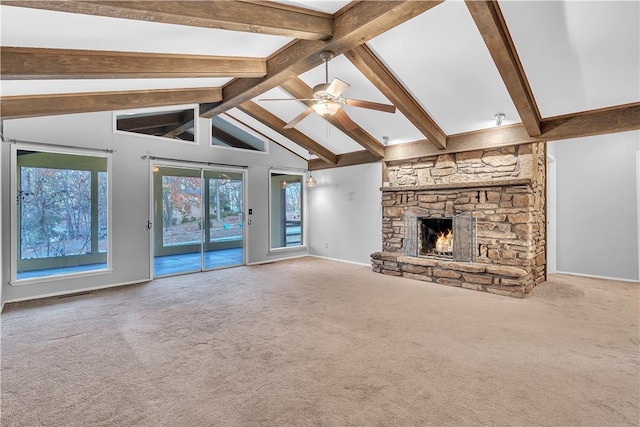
(181, 211)
(178, 219)
(224, 237)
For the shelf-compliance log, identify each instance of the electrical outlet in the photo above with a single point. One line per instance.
(250, 211)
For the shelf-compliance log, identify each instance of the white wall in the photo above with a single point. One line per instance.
(130, 190)
(597, 207)
(551, 199)
(638, 200)
(345, 213)
(1, 223)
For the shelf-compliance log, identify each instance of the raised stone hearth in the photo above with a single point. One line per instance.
(502, 190)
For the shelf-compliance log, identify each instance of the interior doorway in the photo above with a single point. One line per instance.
(198, 219)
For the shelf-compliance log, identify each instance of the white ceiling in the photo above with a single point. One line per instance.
(450, 70)
(577, 56)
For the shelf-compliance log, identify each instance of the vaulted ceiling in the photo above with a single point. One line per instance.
(555, 69)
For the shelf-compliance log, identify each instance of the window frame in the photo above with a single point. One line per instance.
(159, 110)
(15, 221)
(303, 213)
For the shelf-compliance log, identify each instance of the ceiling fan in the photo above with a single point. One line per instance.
(328, 100)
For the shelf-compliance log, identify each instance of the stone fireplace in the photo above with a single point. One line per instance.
(473, 219)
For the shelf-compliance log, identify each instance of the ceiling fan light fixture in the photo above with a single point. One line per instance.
(326, 108)
(499, 118)
(320, 90)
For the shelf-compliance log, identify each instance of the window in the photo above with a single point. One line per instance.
(176, 124)
(286, 209)
(62, 214)
(229, 133)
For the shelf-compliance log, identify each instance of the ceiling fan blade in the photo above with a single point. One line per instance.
(299, 118)
(337, 87)
(387, 108)
(287, 99)
(345, 120)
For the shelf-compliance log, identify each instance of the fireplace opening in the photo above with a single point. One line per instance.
(457, 235)
(435, 237)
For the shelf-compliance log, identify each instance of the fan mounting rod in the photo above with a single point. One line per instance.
(326, 56)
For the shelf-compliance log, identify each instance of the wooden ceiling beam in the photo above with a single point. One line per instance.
(352, 27)
(133, 123)
(14, 107)
(478, 140)
(494, 31)
(254, 17)
(187, 122)
(621, 118)
(346, 159)
(37, 63)
(299, 89)
(157, 131)
(290, 62)
(274, 122)
(373, 69)
(186, 136)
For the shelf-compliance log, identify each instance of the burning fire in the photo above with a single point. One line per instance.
(445, 241)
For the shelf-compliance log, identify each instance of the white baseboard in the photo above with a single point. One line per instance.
(268, 261)
(342, 260)
(592, 276)
(75, 291)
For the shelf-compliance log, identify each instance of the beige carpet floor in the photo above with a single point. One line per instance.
(312, 342)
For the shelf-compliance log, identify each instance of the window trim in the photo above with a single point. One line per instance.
(15, 250)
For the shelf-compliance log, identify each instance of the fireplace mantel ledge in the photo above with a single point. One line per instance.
(456, 185)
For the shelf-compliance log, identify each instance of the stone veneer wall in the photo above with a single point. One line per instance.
(504, 189)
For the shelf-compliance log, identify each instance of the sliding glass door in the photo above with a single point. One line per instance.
(198, 219)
